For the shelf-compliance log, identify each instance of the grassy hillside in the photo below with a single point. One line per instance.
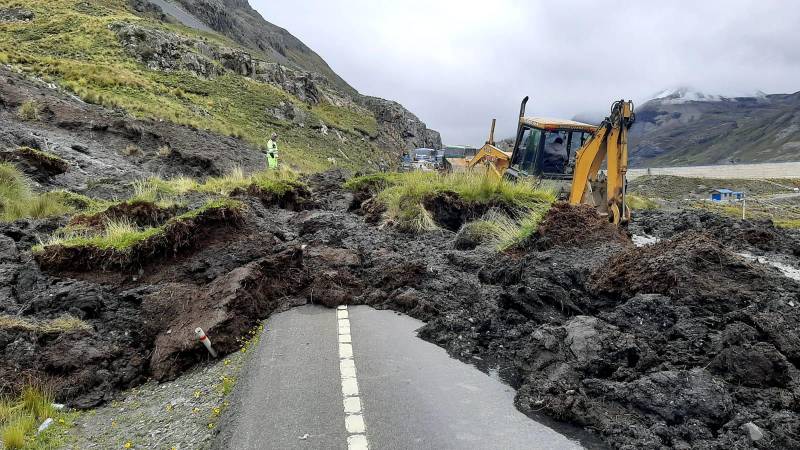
(70, 43)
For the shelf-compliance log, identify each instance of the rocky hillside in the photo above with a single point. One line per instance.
(198, 65)
(685, 127)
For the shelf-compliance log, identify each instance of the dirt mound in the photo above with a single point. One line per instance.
(695, 270)
(567, 225)
(225, 309)
(141, 213)
(176, 236)
(754, 236)
(288, 195)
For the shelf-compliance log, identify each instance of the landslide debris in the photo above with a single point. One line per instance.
(567, 226)
(680, 344)
(137, 247)
(760, 237)
(139, 212)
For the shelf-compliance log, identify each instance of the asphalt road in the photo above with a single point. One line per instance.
(360, 378)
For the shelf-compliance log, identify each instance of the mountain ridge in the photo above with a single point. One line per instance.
(684, 127)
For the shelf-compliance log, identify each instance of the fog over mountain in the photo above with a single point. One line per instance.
(457, 64)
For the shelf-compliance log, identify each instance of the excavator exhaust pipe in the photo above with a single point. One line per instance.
(519, 122)
(490, 141)
(522, 107)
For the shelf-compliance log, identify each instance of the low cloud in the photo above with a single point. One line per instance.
(457, 64)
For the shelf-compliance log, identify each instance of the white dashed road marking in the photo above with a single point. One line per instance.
(354, 418)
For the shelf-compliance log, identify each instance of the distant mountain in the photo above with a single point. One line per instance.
(686, 127)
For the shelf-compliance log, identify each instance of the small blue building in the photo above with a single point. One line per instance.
(720, 195)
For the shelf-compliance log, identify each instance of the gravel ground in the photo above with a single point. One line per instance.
(180, 414)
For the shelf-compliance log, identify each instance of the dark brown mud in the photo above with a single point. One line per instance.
(177, 235)
(675, 345)
(140, 213)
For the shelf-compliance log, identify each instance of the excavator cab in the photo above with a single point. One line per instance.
(547, 148)
(586, 163)
(573, 154)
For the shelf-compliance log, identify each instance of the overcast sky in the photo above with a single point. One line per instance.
(458, 63)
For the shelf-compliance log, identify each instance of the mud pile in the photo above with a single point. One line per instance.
(681, 344)
(574, 226)
(754, 236)
(141, 213)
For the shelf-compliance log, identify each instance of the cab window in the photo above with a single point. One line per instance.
(555, 155)
(525, 153)
(576, 141)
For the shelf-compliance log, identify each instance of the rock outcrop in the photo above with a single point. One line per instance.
(309, 81)
(399, 130)
(399, 127)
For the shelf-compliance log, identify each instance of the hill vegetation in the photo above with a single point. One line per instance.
(73, 44)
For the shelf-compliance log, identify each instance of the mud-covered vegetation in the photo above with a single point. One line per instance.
(420, 201)
(123, 244)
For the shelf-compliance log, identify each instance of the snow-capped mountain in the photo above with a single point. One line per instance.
(683, 126)
(685, 94)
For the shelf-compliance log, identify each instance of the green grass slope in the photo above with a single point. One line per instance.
(70, 43)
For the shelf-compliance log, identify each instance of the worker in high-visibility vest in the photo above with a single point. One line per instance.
(272, 152)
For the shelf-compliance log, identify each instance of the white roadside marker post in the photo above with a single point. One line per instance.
(45, 425)
(205, 340)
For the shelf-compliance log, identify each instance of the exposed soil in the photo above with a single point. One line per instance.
(177, 236)
(450, 211)
(574, 226)
(296, 198)
(674, 345)
(141, 213)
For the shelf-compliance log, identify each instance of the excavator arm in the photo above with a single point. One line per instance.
(609, 142)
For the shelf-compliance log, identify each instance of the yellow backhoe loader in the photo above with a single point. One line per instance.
(571, 154)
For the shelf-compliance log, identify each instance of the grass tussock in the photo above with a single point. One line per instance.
(373, 183)
(277, 181)
(405, 195)
(63, 324)
(80, 202)
(121, 244)
(28, 110)
(638, 202)
(17, 201)
(116, 235)
(787, 223)
(20, 417)
(502, 231)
